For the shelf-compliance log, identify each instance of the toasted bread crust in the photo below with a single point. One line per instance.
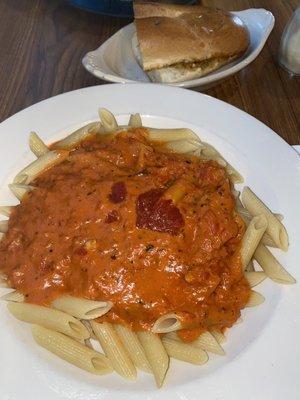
(197, 34)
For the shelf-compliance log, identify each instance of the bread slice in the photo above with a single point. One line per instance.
(177, 43)
(179, 72)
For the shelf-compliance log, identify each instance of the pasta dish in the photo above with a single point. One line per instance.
(134, 237)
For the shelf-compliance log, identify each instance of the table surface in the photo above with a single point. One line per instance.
(42, 43)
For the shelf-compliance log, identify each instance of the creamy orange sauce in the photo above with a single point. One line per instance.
(98, 226)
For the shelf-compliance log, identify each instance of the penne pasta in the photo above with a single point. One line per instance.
(255, 277)
(244, 213)
(3, 280)
(82, 308)
(250, 267)
(176, 191)
(37, 146)
(134, 347)
(135, 121)
(167, 323)
(271, 266)
(183, 146)
(251, 238)
(19, 189)
(13, 296)
(275, 228)
(206, 341)
(255, 299)
(108, 120)
(218, 335)
(184, 351)
(88, 326)
(171, 135)
(6, 210)
(210, 153)
(114, 349)
(40, 165)
(71, 350)
(267, 240)
(156, 354)
(78, 136)
(218, 159)
(234, 175)
(87, 343)
(3, 226)
(49, 318)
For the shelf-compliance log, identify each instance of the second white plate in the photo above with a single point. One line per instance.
(114, 60)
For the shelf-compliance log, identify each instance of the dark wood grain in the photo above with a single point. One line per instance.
(42, 43)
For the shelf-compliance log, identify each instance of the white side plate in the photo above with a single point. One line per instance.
(114, 60)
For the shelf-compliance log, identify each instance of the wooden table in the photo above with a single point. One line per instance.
(42, 43)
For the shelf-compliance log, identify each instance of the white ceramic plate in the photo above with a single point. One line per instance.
(262, 360)
(114, 60)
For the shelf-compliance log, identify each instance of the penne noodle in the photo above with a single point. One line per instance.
(87, 343)
(82, 308)
(40, 165)
(6, 210)
(19, 189)
(275, 228)
(280, 217)
(71, 350)
(78, 136)
(255, 299)
(156, 354)
(251, 238)
(250, 267)
(134, 347)
(271, 266)
(184, 351)
(3, 280)
(135, 120)
(210, 153)
(266, 239)
(3, 226)
(167, 323)
(206, 341)
(255, 277)
(183, 146)
(108, 120)
(37, 146)
(170, 135)
(236, 194)
(234, 175)
(114, 349)
(88, 326)
(218, 159)
(13, 296)
(245, 214)
(1, 236)
(49, 318)
(175, 192)
(218, 335)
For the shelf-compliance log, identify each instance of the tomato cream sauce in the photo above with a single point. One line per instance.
(105, 225)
